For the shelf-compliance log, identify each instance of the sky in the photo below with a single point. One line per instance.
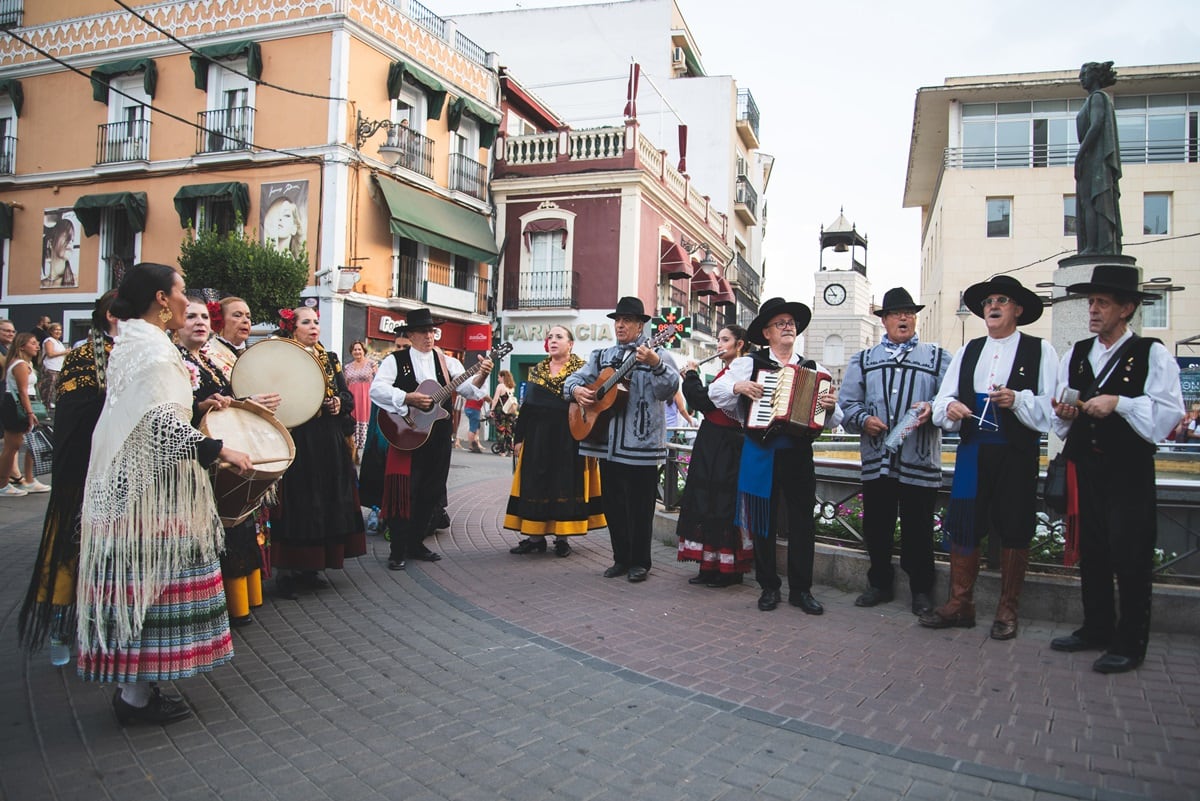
(836, 83)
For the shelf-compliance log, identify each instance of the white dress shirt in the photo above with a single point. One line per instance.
(390, 399)
(992, 370)
(721, 393)
(1152, 415)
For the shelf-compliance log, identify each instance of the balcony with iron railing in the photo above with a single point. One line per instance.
(409, 149)
(123, 141)
(440, 284)
(747, 118)
(224, 130)
(702, 321)
(745, 201)
(8, 155)
(468, 175)
(1136, 151)
(748, 282)
(11, 12)
(437, 26)
(554, 289)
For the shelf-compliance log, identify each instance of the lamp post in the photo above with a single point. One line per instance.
(962, 314)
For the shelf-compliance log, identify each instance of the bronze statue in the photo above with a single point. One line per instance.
(1097, 166)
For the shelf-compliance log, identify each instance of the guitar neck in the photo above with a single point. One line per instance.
(442, 394)
(631, 361)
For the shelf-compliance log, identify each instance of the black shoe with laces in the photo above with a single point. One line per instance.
(530, 545)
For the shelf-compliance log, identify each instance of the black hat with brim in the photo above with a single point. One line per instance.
(897, 299)
(773, 307)
(418, 318)
(1117, 279)
(630, 307)
(1030, 303)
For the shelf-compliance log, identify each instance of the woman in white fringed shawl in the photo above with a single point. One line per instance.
(150, 598)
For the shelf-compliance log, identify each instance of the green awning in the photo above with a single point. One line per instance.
(207, 55)
(489, 123)
(236, 193)
(102, 75)
(89, 208)
(435, 92)
(6, 221)
(438, 223)
(12, 88)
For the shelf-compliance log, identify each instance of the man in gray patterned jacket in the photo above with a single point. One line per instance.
(632, 444)
(882, 384)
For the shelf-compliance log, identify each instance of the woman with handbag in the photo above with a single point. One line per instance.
(19, 415)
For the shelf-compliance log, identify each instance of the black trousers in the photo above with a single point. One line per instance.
(1118, 530)
(883, 498)
(794, 494)
(427, 491)
(629, 494)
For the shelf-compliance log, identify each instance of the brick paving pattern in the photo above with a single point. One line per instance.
(492, 676)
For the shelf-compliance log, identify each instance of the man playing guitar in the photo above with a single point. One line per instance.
(415, 481)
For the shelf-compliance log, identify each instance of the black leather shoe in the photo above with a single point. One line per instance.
(874, 596)
(768, 600)
(725, 580)
(1115, 663)
(529, 545)
(285, 587)
(922, 604)
(311, 580)
(395, 564)
(1075, 642)
(239, 622)
(638, 573)
(807, 603)
(705, 577)
(428, 556)
(617, 569)
(442, 520)
(562, 547)
(161, 709)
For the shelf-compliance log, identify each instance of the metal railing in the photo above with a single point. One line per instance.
(1154, 151)
(744, 194)
(679, 297)
(123, 141)
(436, 25)
(702, 319)
(11, 13)
(411, 150)
(468, 175)
(747, 110)
(557, 289)
(412, 274)
(225, 129)
(748, 280)
(8, 155)
(468, 48)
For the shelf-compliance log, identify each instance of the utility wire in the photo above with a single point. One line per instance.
(1127, 244)
(164, 112)
(188, 47)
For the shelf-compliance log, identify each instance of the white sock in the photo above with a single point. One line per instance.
(136, 694)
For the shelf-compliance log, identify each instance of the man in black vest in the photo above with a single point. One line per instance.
(1110, 433)
(779, 471)
(415, 480)
(996, 394)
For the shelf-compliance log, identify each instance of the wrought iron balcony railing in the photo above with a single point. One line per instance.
(745, 195)
(468, 175)
(8, 155)
(411, 150)
(557, 289)
(123, 141)
(1134, 151)
(413, 275)
(11, 13)
(702, 319)
(225, 129)
(747, 110)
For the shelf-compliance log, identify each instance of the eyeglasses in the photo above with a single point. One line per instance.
(783, 325)
(904, 313)
(999, 300)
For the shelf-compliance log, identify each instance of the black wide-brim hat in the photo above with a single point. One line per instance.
(897, 299)
(773, 307)
(630, 307)
(418, 318)
(1027, 299)
(1118, 279)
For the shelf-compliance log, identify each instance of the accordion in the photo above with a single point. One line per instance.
(789, 403)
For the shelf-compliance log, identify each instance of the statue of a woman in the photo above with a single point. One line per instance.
(1097, 166)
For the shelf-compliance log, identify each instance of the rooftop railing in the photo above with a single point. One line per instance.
(431, 22)
(1136, 151)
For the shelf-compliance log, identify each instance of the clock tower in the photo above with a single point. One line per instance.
(842, 322)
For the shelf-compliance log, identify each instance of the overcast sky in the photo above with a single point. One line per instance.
(835, 84)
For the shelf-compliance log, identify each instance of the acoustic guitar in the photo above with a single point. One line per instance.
(612, 393)
(410, 431)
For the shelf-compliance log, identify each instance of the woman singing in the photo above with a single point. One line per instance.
(318, 522)
(554, 490)
(241, 559)
(150, 602)
(706, 530)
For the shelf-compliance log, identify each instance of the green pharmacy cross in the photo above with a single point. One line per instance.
(672, 317)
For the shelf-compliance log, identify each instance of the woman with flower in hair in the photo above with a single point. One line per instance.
(318, 522)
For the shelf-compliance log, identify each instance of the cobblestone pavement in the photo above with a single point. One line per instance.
(492, 676)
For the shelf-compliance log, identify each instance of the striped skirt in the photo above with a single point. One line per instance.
(186, 632)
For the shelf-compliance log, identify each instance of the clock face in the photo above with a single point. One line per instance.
(835, 294)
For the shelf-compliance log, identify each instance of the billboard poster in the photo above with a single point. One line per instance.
(283, 223)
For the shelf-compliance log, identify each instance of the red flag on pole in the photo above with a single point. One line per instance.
(635, 72)
(683, 148)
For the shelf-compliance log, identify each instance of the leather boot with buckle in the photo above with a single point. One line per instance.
(959, 610)
(1013, 562)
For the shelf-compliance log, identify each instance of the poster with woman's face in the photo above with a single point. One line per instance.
(60, 249)
(284, 220)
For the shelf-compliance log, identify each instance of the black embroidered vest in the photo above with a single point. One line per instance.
(1025, 372)
(406, 376)
(1111, 435)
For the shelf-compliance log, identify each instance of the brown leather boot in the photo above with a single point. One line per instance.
(959, 610)
(1013, 562)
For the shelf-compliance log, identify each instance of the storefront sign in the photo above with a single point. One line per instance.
(383, 324)
(591, 329)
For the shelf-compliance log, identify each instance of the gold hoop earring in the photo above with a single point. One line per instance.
(165, 314)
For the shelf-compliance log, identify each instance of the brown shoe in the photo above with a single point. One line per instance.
(1013, 562)
(959, 611)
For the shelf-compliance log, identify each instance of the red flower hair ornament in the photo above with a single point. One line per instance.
(287, 321)
(215, 318)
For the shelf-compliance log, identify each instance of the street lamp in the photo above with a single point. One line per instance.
(962, 314)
